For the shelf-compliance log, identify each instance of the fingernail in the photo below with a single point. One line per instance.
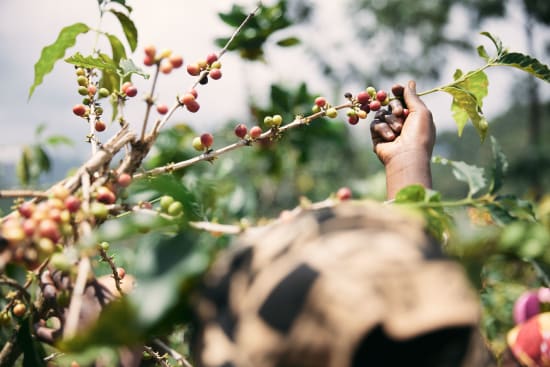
(412, 86)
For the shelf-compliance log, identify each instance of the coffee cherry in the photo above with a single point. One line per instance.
(202, 64)
(397, 90)
(197, 144)
(175, 209)
(162, 109)
(148, 60)
(255, 132)
(80, 72)
(353, 120)
(216, 65)
(105, 195)
(82, 81)
(363, 97)
(166, 67)
(320, 101)
(99, 210)
(121, 273)
(19, 309)
(375, 105)
(124, 179)
(82, 90)
(29, 227)
(46, 246)
(211, 58)
(167, 200)
(26, 209)
(268, 120)
(103, 92)
(343, 193)
(86, 100)
(193, 106)
(150, 50)
(241, 130)
(176, 61)
(165, 53)
(72, 203)
(187, 98)
(381, 95)
(371, 91)
(49, 229)
(362, 114)
(277, 120)
(405, 112)
(215, 74)
(386, 101)
(315, 109)
(125, 86)
(58, 192)
(131, 91)
(104, 246)
(100, 126)
(193, 91)
(332, 112)
(193, 69)
(207, 140)
(92, 89)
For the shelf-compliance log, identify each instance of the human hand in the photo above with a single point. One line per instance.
(404, 143)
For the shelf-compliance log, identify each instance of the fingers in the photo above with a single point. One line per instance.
(413, 101)
(386, 126)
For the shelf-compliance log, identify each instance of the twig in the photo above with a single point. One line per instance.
(22, 193)
(217, 227)
(177, 356)
(210, 155)
(76, 300)
(149, 102)
(239, 28)
(160, 359)
(109, 259)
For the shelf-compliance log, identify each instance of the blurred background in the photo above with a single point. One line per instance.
(297, 50)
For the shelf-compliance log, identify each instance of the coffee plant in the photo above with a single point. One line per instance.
(128, 215)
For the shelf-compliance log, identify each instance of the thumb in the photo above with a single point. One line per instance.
(414, 103)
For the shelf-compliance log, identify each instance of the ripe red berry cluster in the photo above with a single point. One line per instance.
(189, 100)
(211, 64)
(165, 59)
(37, 230)
(241, 131)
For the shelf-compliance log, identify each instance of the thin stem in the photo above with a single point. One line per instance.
(239, 28)
(213, 154)
(457, 81)
(150, 102)
(22, 193)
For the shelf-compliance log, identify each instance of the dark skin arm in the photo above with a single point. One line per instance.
(404, 145)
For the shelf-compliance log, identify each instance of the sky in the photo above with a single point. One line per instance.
(188, 27)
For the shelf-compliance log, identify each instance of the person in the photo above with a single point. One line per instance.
(346, 283)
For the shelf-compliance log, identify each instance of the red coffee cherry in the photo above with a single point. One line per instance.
(100, 126)
(240, 130)
(255, 132)
(343, 193)
(381, 95)
(176, 61)
(215, 74)
(79, 110)
(124, 179)
(207, 140)
(211, 58)
(162, 109)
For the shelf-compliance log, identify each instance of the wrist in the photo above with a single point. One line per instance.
(402, 172)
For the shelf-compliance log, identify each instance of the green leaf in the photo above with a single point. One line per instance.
(41, 159)
(39, 130)
(55, 140)
(117, 47)
(235, 17)
(103, 62)
(52, 53)
(465, 106)
(482, 53)
(128, 27)
(499, 167)
(472, 175)
(127, 67)
(525, 63)
(496, 41)
(23, 170)
(288, 42)
(411, 194)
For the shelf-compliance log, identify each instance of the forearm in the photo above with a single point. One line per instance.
(400, 174)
